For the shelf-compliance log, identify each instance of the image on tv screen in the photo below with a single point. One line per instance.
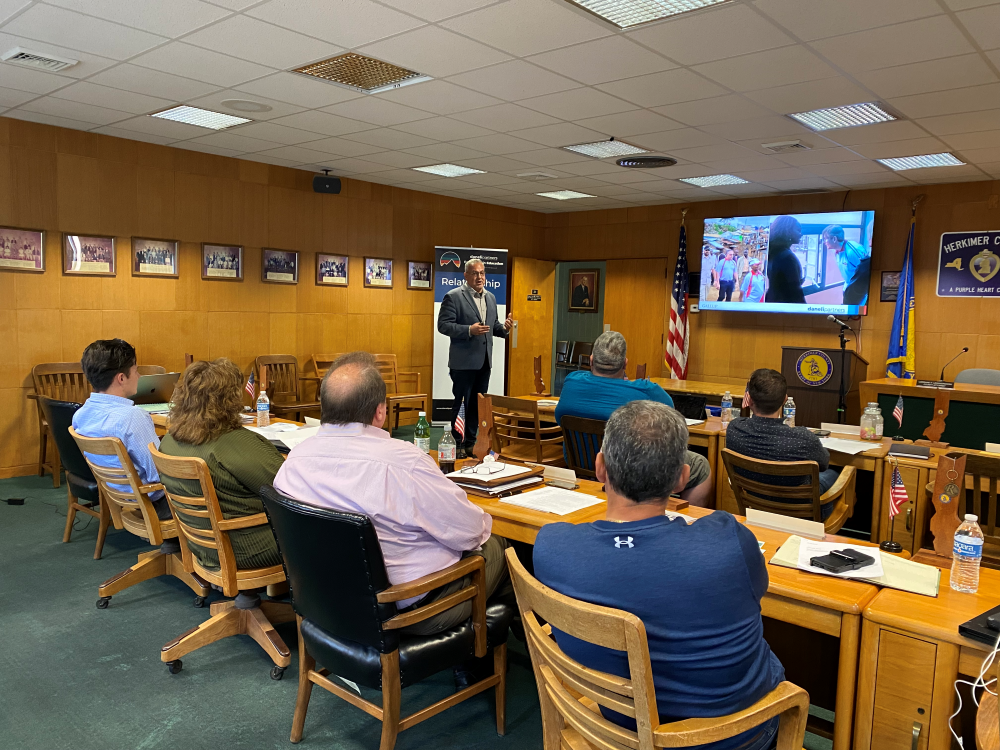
(817, 263)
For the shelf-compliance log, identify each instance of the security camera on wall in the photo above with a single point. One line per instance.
(324, 183)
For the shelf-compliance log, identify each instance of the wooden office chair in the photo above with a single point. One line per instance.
(83, 494)
(132, 509)
(349, 623)
(188, 360)
(321, 362)
(640, 371)
(402, 390)
(244, 615)
(516, 431)
(151, 370)
(583, 439)
(980, 497)
(280, 374)
(571, 694)
(749, 479)
(62, 381)
(988, 719)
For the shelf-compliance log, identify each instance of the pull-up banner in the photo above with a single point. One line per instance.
(449, 273)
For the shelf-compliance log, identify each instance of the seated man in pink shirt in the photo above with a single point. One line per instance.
(424, 521)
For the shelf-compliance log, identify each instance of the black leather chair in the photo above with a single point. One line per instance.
(81, 487)
(348, 621)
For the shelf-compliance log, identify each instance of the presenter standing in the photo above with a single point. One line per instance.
(469, 318)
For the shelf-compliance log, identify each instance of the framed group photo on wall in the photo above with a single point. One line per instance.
(331, 270)
(154, 257)
(378, 273)
(279, 266)
(22, 249)
(583, 286)
(88, 255)
(221, 262)
(418, 275)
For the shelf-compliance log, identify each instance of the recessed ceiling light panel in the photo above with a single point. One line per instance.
(850, 116)
(246, 105)
(715, 180)
(922, 162)
(203, 118)
(362, 73)
(604, 149)
(564, 195)
(627, 13)
(448, 170)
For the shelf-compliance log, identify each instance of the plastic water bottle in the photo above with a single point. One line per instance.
(727, 408)
(966, 556)
(422, 435)
(446, 448)
(263, 410)
(788, 412)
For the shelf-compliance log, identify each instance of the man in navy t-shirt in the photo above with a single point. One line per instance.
(697, 588)
(595, 394)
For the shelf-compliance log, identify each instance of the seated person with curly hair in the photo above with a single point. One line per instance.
(205, 423)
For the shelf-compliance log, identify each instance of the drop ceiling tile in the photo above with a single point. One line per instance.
(170, 19)
(629, 176)
(966, 4)
(900, 130)
(777, 67)
(322, 122)
(871, 180)
(861, 166)
(443, 129)
(984, 25)
(59, 122)
(527, 27)
(233, 4)
(104, 96)
(342, 147)
(275, 133)
(13, 97)
(350, 24)
(396, 159)
(910, 42)
(676, 139)
(201, 64)
(405, 176)
(439, 97)
(299, 90)
(769, 175)
(388, 138)
(215, 103)
(75, 111)
(591, 167)
(514, 80)
(994, 56)
(434, 51)
(488, 192)
(495, 164)
(235, 141)
(970, 122)
(494, 179)
(894, 149)
(603, 60)
(774, 128)
(498, 144)
(577, 104)
(924, 77)
(625, 124)
(133, 135)
(250, 39)
(32, 81)
(436, 10)
(741, 164)
(9, 7)
(152, 82)
(357, 166)
(270, 160)
(732, 29)
(439, 153)
(669, 87)
(730, 108)
(713, 153)
(87, 64)
(818, 156)
(816, 19)
(802, 97)
(561, 134)
(176, 131)
(984, 155)
(610, 191)
(953, 101)
(937, 175)
(547, 157)
(807, 183)
(207, 149)
(506, 117)
(76, 31)
(298, 154)
(377, 111)
(982, 139)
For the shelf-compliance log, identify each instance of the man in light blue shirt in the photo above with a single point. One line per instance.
(850, 257)
(754, 283)
(727, 277)
(110, 366)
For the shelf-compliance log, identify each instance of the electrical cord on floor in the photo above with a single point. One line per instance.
(978, 683)
(60, 510)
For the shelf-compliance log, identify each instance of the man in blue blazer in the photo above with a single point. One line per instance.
(469, 318)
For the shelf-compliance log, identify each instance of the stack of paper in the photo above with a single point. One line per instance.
(850, 447)
(548, 401)
(553, 500)
(693, 421)
(285, 433)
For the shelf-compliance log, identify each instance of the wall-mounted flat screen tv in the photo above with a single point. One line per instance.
(817, 263)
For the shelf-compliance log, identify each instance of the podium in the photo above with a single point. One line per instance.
(813, 375)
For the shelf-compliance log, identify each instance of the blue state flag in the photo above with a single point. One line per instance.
(901, 360)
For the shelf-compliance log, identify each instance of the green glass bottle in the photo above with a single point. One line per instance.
(422, 436)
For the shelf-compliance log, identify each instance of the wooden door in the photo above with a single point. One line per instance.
(904, 691)
(533, 322)
(635, 296)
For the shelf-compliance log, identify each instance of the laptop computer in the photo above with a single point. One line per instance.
(156, 389)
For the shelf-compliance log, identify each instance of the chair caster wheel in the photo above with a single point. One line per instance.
(277, 673)
(174, 666)
(103, 602)
(199, 601)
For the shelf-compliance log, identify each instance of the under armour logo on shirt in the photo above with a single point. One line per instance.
(627, 542)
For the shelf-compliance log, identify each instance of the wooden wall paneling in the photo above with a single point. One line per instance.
(192, 201)
(78, 194)
(10, 372)
(422, 328)
(334, 340)
(39, 338)
(284, 334)
(118, 197)
(634, 297)
(402, 340)
(155, 203)
(254, 336)
(33, 173)
(79, 329)
(6, 181)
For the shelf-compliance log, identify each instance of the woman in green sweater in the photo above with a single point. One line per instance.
(205, 422)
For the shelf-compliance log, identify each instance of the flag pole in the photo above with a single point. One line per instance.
(890, 545)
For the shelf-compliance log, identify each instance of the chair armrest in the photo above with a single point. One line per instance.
(840, 485)
(415, 376)
(244, 522)
(33, 396)
(465, 566)
(148, 489)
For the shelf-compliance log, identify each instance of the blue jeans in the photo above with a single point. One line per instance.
(826, 480)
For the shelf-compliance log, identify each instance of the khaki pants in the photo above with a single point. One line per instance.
(497, 583)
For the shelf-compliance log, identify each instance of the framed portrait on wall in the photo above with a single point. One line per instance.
(418, 275)
(279, 266)
(88, 255)
(583, 286)
(221, 262)
(889, 290)
(22, 249)
(154, 257)
(331, 270)
(378, 272)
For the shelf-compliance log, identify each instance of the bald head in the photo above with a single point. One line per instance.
(352, 390)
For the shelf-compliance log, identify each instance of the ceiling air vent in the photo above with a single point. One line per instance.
(783, 147)
(805, 191)
(536, 176)
(365, 74)
(645, 162)
(28, 59)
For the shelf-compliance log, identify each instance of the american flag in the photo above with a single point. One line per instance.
(746, 396)
(250, 386)
(676, 355)
(897, 492)
(897, 411)
(460, 420)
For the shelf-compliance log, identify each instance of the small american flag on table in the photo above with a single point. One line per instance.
(897, 492)
(897, 411)
(250, 386)
(460, 420)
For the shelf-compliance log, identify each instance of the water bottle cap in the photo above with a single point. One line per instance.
(971, 517)
(422, 413)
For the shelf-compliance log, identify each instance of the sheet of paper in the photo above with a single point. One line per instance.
(850, 447)
(810, 548)
(547, 402)
(293, 438)
(671, 514)
(313, 422)
(506, 487)
(693, 421)
(508, 472)
(553, 500)
(271, 431)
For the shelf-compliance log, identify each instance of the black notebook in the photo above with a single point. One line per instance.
(905, 450)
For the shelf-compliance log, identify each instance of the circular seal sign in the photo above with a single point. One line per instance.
(814, 367)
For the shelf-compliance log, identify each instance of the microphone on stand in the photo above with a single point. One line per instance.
(838, 321)
(964, 350)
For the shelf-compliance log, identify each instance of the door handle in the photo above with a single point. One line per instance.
(513, 338)
(917, 726)
(909, 515)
